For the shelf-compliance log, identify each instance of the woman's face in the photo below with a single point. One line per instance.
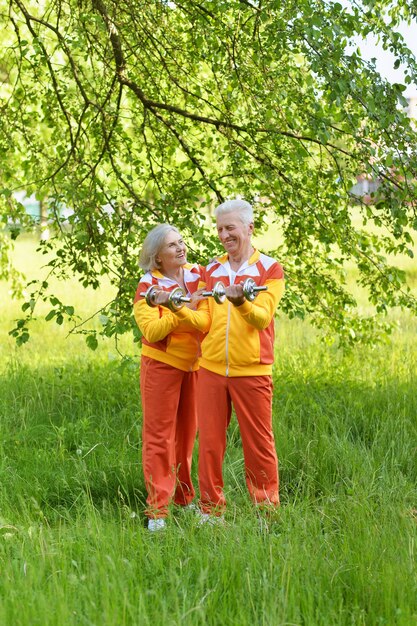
(173, 253)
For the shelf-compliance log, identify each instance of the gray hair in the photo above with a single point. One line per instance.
(243, 208)
(152, 245)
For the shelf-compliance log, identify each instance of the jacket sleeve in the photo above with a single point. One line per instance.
(195, 320)
(260, 312)
(153, 327)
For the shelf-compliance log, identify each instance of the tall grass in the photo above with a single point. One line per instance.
(73, 545)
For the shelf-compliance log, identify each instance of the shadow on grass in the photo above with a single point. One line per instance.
(72, 434)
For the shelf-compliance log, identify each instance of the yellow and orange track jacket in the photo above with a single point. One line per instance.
(240, 339)
(164, 337)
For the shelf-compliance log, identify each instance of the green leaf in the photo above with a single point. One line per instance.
(91, 341)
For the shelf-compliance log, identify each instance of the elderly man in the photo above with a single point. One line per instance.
(236, 363)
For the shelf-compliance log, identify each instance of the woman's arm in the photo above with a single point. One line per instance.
(152, 325)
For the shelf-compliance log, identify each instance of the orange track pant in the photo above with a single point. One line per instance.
(251, 397)
(168, 434)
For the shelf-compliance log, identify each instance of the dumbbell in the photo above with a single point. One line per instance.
(250, 291)
(218, 293)
(176, 298)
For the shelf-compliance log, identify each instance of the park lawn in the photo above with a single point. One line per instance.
(73, 545)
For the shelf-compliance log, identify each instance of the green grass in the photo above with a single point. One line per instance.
(73, 545)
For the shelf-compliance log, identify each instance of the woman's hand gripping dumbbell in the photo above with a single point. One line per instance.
(237, 294)
(173, 300)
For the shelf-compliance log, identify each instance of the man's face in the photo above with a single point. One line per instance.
(235, 236)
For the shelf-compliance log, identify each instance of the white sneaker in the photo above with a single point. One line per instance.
(156, 524)
(190, 507)
(210, 520)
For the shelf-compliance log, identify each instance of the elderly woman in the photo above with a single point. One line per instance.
(168, 377)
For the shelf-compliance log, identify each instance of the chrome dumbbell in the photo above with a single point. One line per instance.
(175, 302)
(177, 299)
(218, 293)
(150, 295)
(251, 289)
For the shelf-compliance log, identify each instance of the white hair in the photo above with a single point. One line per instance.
(152, 245)
(241, 207)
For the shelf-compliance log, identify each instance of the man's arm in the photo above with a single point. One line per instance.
(260, 312)
(195, 320)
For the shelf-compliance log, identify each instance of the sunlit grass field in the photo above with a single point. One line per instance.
(73, 545)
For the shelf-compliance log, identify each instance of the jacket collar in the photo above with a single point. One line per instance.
(157, 274)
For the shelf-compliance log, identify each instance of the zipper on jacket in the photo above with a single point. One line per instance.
(227, 337)
(229, 310)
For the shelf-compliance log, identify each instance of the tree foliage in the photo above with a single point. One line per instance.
(137, 112)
